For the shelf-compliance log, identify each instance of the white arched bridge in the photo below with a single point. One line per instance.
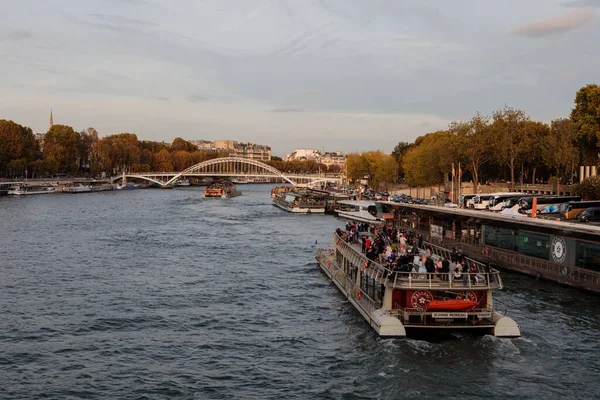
(227, 167)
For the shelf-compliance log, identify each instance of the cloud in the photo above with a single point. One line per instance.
(291, 109)
(18, 34)
(196, 98)
(582, 3)
(556, 24)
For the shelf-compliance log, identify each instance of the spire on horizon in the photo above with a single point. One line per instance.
(51, 120)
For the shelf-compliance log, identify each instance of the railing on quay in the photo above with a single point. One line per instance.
(481, 280)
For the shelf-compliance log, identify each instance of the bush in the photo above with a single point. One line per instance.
(588, 189)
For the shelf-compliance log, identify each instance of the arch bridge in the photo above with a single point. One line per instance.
(227, 167)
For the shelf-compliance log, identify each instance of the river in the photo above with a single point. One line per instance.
(164, 294)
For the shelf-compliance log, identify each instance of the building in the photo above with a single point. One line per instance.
(327, 158)
(251, 151)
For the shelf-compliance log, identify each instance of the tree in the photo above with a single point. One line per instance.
(535, 132)
(181, 160)
(586, 117)
(398, 152)
(559, 150)
(16, 142)
(427, 163)
(509, 129)
(275, 158)
(474, 139)
(588, 189)
(87, 139)
(61, 143)
(162, 161)
(182, 145)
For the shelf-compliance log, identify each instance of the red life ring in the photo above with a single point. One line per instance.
(358, 295)
(329, 264)
(366, 264)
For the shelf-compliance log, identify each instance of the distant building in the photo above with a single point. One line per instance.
(40, 138)
(251, 151)
(327, 158)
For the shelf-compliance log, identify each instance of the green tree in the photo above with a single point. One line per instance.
(535, 134)
(509, 128)
(399, 152)
(559, 150)
(588, 189)
(474, 139)
(61, 143)
(586, 117)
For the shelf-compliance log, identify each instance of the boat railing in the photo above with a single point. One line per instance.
(367, 303)
(484, 278)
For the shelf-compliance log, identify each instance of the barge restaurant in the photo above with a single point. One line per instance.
(563, 252)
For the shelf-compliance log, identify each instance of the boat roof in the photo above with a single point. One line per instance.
(358, 203)
(527, 221)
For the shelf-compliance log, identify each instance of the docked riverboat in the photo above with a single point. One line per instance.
(300, 203)
(358, 210)
(26, 190)
(281, 189)
(398, 303)
(221, 190)
(77, 188)
(6, 187)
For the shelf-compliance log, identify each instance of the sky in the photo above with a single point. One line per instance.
(338, 75)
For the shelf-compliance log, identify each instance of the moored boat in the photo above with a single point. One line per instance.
(300, 203)
(79, 188)
(221, 190)
(183, 182)
(396, 302)
(25, 190)
(358, 210)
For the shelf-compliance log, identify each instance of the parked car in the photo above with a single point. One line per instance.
(591, 214)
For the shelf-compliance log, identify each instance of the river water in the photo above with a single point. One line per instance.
(164, 294)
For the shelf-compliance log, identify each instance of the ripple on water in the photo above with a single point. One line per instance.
(164, 294)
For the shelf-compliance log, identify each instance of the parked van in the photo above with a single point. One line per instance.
(572, 209)
(591, 214)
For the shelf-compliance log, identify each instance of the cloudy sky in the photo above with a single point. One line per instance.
(349, 75)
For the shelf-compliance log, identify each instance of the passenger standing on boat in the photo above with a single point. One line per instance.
(429, 265)
(454, 255)
(445, 269)
(364, 243)
(420, 241)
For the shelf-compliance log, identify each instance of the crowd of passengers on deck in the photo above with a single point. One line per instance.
(404, 254)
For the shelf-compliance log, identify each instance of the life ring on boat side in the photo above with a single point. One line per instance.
(337, 241)
(486, 251)
(366, 264)
(329, 264)
(331, 252)
(564, 271)
(358, 295)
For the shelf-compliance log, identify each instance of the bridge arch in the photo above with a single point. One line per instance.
(225, 165)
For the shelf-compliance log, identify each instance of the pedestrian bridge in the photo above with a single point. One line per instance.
(228, 167)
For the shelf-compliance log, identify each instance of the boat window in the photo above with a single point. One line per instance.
(535, 245)
(587, 255)
(500, 237)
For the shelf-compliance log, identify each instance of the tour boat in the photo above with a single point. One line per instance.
(79, 188)
(183, 182)
(24, 190)
(395, 303)
(281, 189)
(300, 203)
(221, 190)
